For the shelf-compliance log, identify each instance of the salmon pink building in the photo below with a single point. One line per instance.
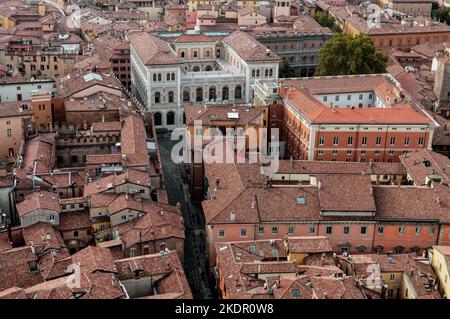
(360, 207)
(346, 118)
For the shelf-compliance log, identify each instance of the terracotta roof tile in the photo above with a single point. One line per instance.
(351, 193)
(152, 50)
(39, 200)
(249, 48)
(94, 259)
(74, 221)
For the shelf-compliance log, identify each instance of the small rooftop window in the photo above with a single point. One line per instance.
(295, 293)
(426, 163)
(92, 76)
(301, 200)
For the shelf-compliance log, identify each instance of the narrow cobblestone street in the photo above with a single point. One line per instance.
(178, 191)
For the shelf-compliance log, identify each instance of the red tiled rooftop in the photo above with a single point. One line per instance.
(152, 50)
(39, 200)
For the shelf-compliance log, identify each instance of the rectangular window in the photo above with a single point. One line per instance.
(401, 230)
(321, 140)
(261, 230)
(418, 230)
(325, 98)
(329, 230)
(336, 140)
(392, 140)
(350, 140)
(290, 230)
(312, 230)
(364, 140)
(243, 232)
(335, 152)
(346, 230)
(349, 97)
(51, 217)
(380, 230)
(363, 230)
(8, 132)
(360, 96)
(378, 140)
(406, 141)
(421, 140)
(432, 230)
(274, 230)
(221, 233)
(349, 152)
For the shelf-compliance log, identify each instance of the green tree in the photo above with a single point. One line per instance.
(285, 70)
(434, 6)
(440, 14)
(325, 20)
(346, 55)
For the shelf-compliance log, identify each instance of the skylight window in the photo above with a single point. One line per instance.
(92, 76)
(301, 200)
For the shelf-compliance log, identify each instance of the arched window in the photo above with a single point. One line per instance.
(225, 93)
(253, 73)
(186, 95)
(212, 93)
(196, 69)
(208, 68)
(173, 76)
(168, 77)
(154, 77)
(266, 72)
(257, 72)
(170, 118)
(238, 92)
(182, 54)
(157, 97)
(158, 119)
(159, 76)
(132, 252)
(271, 72)
(199, 95)
(170, 96)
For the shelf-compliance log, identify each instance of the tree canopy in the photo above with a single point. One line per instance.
(285, 70)
(441, 14)
(325, 20)
(346, 55)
